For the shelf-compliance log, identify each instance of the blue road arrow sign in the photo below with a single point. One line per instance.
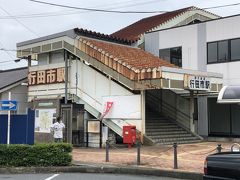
(8, 105)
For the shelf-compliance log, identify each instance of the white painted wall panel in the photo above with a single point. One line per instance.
(92, 85)
(124, 107)
(230, 71)
(89, 81)
(103, 87)
(226, 28)
(117, 89)
(152, 43)
(185, 36)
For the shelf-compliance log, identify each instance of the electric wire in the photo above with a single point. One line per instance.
(63, 13)
(26, 27)
(123, 12)
(7, 52)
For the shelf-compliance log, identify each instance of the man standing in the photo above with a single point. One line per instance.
(57, 129)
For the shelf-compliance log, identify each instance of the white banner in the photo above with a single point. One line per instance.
(123, 107)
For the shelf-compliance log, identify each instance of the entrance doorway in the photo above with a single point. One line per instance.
(73, 118)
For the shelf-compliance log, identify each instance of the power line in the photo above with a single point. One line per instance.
(63, 13)
(9, 54)
(96, 10)
(124, 12)
(221, 6)
(19, 21)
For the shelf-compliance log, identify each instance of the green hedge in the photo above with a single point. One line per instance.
(56, 154)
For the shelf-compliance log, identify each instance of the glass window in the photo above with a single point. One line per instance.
(176, 56)
(235, 49)
(223, 51)
(164, 54)
(172, 55)
(43, 59)
(212, 52)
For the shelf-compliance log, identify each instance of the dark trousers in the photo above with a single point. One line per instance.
(58, 140)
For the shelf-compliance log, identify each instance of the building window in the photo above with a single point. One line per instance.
(223, 51)
(172, 55)
(212, 52)
(235, 49)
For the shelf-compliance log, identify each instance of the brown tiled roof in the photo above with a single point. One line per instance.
(101, 36)
(135, 30)
(133, 63)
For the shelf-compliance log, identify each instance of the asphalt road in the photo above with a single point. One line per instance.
(79, 176)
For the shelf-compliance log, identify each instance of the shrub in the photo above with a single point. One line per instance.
(57, 154)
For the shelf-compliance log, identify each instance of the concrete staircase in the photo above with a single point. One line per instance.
(164, 131)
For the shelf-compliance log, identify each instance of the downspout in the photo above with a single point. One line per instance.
(66, 76)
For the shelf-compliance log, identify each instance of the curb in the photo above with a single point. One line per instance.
(104, 169)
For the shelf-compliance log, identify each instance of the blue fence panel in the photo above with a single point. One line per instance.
(21, 129)
(18, 133)
(31, 126)
(3, 129)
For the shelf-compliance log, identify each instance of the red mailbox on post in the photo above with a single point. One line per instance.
(129, 135)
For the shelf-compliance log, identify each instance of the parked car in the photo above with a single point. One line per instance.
(222, 166)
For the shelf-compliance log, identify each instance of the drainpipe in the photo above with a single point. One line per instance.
(66, 76)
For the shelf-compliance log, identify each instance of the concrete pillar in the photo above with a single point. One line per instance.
(143, 111)
(191, 111)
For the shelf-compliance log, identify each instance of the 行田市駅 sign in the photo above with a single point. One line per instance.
(48, 76)
(198, 83)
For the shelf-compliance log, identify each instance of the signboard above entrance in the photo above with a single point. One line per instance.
(48, 76)
(198, 83)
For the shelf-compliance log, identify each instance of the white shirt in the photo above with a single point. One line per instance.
(58, 129)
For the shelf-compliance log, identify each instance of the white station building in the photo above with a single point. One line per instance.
(80, 71)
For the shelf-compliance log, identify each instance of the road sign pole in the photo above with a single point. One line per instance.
(9, 120)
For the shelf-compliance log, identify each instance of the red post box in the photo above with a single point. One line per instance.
(129, 135)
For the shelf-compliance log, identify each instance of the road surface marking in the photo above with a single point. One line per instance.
(53, 176)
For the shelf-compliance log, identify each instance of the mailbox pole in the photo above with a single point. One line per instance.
(9, 120)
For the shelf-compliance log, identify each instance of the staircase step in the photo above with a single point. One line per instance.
(170, 136)
(166, 133)
(177, 140)
(157, 119)
(160, 123)
(164, 129)
(180, 142)
(159, 126)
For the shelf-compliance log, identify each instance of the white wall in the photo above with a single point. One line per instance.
(222, 29)
(186, 37)
(92, 85)
(230, 71)
(152, 43)
(227, 28)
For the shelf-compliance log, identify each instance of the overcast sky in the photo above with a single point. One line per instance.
(14, 28)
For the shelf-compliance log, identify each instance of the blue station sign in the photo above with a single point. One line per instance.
(8, 105)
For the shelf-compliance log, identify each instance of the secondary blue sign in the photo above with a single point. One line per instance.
(8, 105)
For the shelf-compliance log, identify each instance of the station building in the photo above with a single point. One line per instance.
(80, 72)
